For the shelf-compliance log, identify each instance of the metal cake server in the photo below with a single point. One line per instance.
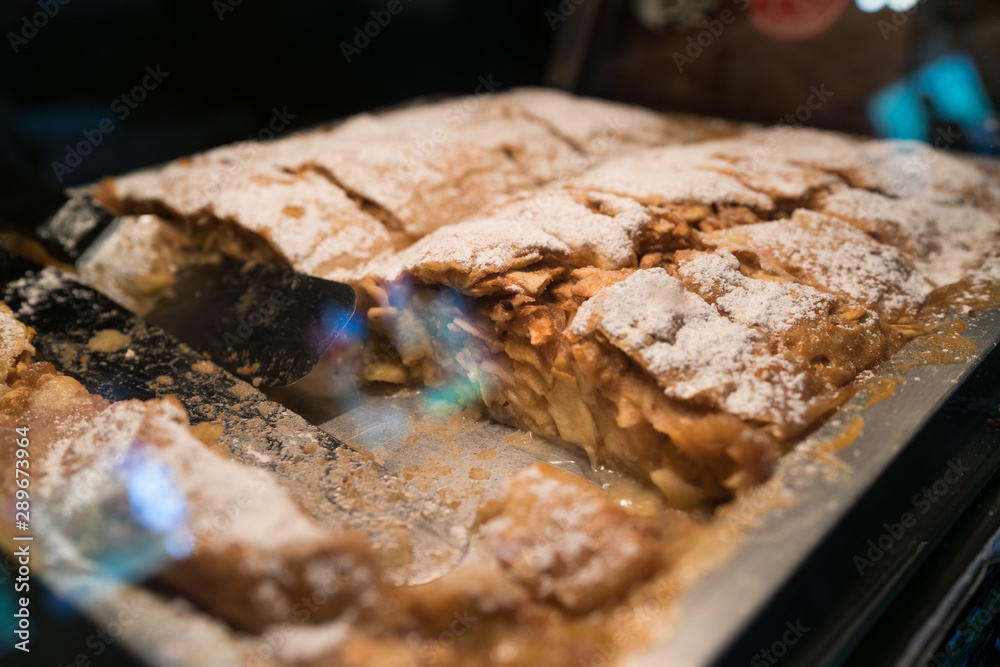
(259, 322)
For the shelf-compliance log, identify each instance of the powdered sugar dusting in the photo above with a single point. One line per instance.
(268, 518)
(134, 259)
(595, 126)
(766, 304)
(871, 212)
(434, 164)
(476, 248)
(965, 235)
(310, 643)
(942, 239)
(189, 184)
(693, 351)
(310, 221)
(912, 169)
(816, 149)
(836, 257)
(36, 288)
(522, 232)
(313, 223)
(672, 175)
(988, 272)
(763, 167)
(561, 536)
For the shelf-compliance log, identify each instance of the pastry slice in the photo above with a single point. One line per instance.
(127, 491)
(243, 206)
(694, 371)
(943, 240)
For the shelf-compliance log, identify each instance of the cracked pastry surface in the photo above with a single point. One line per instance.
(396, 175)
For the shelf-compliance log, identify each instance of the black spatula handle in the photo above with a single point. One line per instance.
(65, 226)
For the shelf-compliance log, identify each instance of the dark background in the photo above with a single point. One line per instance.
(231, 64)
(227, 74)
(745, 73)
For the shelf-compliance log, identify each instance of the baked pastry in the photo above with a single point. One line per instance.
(681, 298)
(682, 303)
(333, 197)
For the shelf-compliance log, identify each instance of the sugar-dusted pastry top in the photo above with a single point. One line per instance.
(908, 169)
(943, 240)
(672, 175)
(597, 128)
(834, 256)
(585, 229)
(771, 305)
(310, 223)
(800, 322)
(330, 198)
(223, 534)
(559, 536)
(940, 232)
(696, 352)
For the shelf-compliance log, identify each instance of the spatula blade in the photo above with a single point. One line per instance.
(267, 325)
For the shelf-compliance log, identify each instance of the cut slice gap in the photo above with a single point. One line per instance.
(365, 204)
